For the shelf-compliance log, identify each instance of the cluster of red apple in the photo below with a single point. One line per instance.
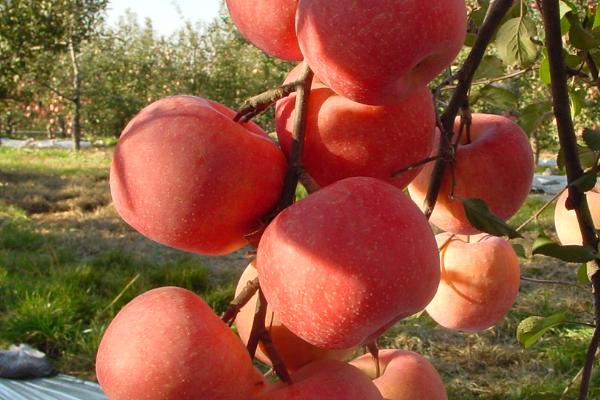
(343, 265)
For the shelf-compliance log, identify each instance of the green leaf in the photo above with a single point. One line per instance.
(514, 43)
(531, 329)
(591, 138)
(570, 253)
(580, 37)
(482, 218)
(565, 8)
(586, 156)
(519, 250)
(597, 19)
(582, 275)
(577, 100)
(534, 115)
(586, 182)
(545, 71)
(499, 97)
(490, 67)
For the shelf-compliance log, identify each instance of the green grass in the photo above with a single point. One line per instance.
(68, 264)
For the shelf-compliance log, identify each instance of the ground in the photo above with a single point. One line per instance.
(68, 263)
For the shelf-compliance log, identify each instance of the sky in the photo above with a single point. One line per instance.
(164, 15)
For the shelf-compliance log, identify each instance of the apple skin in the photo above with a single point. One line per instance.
(167, 344)
(496, 167)
(378, 52)
(405, 375)
(479, 283)
(187, 176)
(294, 351)
(269, 25)
(565, 221)
(344, 138)
(326, 379)
(347, 262)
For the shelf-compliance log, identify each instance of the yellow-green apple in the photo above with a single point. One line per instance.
(269, 25)
(404, 375)
(167, 344)
(479, 283)
(186, 175)
(378, 52)
(294, 351)
(495, 165)
(344, 138)
(342, 265)
(565, 221)
(326, 379)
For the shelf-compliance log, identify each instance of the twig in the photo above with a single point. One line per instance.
(593, 69)
(568, 143)
(542, 209)
(415, 165)
(240, 301)
(550, 282)
(493, 80)
(465, 77)
(258, 104)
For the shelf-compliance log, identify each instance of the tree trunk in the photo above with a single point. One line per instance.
(76, 133)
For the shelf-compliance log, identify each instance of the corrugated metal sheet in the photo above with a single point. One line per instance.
(60, 387)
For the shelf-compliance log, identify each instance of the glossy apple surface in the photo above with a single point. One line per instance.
(565, 221)
(269, 25)
(496, 166)
(405, 375)
(479, 283)
(378, 52)
(167, 344)
(187, 176)
(347, 262)
(344, 138)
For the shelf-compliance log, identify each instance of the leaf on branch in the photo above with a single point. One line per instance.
(586, 156)
(490, 67)
(582, 274)
(498, 97)
(519, 250)
(531, 329)
(585, 182)
(514, 41)
(577, 101)
(569, 253)
(481, 217)
(580, 37)
(591, 138)
(534, 115)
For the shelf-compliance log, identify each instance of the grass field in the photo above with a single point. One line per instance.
(67, 265)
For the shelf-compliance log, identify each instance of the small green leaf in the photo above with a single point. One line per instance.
(531, 329)
(514, 43)
(586, 182)
(591, 138)
(582, 276)
(519, 250)
(580, 37)
(586, 156)
(490, 67)
(545, 71)
(534, 115)
(597, 19)
(482, 218)
(570, 253)
(577, 101)
(499, 97)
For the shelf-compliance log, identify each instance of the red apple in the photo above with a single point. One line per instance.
(185, 175)
(167, 344)
(269, 25)
(347, 262)
(565, 221)
(378, 52)
(405, 375)
(479, 283)
(344, 138)
(294, 351)
(328, 379)
(496, 166)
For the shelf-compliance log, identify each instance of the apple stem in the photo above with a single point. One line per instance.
(373, 348)
(465, 78)
(568, 144)
(240, 301)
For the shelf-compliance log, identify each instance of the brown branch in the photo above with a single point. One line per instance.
(258, 104)
(593, 68)
(240, 301)
(460, 96)
(568, 143)
(550, 282)
(415, 165)
(496, 79)
(542, 209)
(308, 181)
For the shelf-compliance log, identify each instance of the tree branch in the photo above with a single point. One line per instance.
(568, 143)
(258, 104)
(460, 96)
(542, 209)
(240, 301)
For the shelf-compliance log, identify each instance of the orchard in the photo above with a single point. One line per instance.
(409, 190)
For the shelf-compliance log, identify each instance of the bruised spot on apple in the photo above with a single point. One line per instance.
(378, 52)
(565, 221)
(404, 375)
(269, 25)
(479, 283)
(294, 351)
(326, 379)
(347, 262)
(344, 138)
(186, 175)
(496, 166)
(167, 344)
